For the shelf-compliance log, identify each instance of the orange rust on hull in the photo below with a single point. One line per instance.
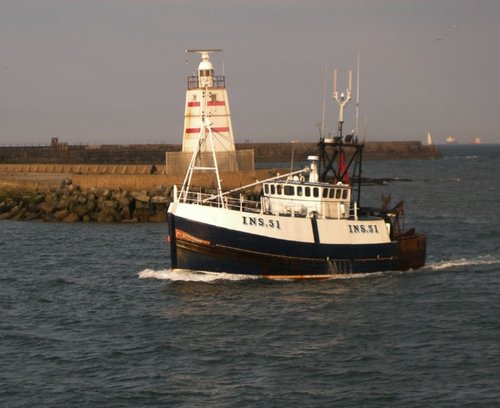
(412, 250)
(184, 236)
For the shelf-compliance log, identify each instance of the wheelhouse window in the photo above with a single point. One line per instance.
(338, 193)
(325, 193)
(273, 189)
(266, 188)
(308, 191)
(315, 192)
(345, 193)
(279, 189)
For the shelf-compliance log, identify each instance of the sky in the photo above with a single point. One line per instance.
(114, 71)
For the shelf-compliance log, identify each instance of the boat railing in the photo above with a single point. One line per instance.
(219, 81)
(240, 203)
(243, 203)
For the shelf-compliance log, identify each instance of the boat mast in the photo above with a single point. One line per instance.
(356, 125)
(342, 99)
(341, 154)
(322, 128)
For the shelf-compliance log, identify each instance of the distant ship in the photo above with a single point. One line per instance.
(451, 140)
(429, 138)
(476, 140)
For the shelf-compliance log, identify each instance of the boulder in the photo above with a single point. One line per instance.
(80, 210)
(110, 204)
(29, 216)
(160, 216)
(61, 214)
(159, 199)
(47, 207)
(141, 196)
(14, 212)
(72, 217)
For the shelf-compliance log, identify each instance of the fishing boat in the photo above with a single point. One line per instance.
(307, 223)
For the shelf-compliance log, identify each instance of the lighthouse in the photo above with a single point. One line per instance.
(207, 109)
(207, 140)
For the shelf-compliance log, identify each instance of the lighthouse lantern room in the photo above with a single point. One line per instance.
(207, 105)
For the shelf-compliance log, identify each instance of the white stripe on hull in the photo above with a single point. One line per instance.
(329, 231)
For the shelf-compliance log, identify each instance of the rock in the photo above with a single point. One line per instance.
(80, 210)
(144, 211)
(28, 200)
(125, 214)
(46, 207)
(20, 215)
(91, 206)
(7, 205)
(160, 207)
(160, 216)
(159, 199)
(72, 217)
(110, 204)
(102, 216)
(65, 182)
(63, 203)
(61, 214)
(108, 215)
(69, 203)
(14, 212)
(49, 218)
(132, 220)
(141, 196)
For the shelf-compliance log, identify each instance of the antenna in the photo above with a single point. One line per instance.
(205, 51)
(342, 99)
(366, 128)
(357, 97)
(322, 128)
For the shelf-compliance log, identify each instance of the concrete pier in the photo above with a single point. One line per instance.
(149, 154)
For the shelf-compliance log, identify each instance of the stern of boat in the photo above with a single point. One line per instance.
(412, 250)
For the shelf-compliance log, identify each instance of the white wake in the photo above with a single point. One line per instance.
(191, 276)
(462, 262)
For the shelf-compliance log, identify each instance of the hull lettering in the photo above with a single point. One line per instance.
(363, 229)
(260, 222)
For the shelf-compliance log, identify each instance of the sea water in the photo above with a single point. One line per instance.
(93, 316)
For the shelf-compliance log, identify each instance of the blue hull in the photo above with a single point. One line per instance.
(199, 246)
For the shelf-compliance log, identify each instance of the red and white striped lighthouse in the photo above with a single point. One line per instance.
(207, 101)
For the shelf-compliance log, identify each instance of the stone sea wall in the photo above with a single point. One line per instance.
(69, 203)
(149, 154)
(102, 197)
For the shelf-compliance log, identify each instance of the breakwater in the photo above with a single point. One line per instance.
(103, 197)
(148, 154)
(69, 203)
(282, 152)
